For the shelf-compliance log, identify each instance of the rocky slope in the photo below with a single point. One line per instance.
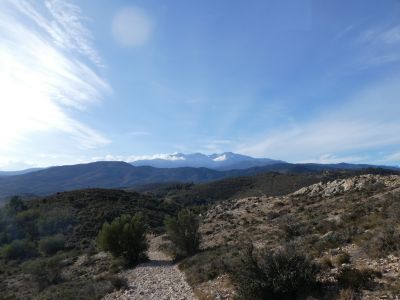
(358, 218)
(357, 183)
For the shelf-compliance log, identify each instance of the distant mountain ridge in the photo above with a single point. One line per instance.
(114, 174)
(19, 172)
(216, 161)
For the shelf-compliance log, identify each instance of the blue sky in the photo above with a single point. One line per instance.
(297, 80)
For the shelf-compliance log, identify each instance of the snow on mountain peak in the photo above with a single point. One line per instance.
(225, 160)
(220, 158)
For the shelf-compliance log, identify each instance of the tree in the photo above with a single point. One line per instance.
(16, 205)
(124, 237)
(183, 231)
(18, 249)
(51, 244)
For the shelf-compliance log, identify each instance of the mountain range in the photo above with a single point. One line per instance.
(19, 172)
(216, 161)
(114, 174)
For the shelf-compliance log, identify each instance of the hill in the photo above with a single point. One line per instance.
(348, 227)
(97, 175)
(331, 216)
(108, 174)
(75, 218)
(20, 172)
(260, 184)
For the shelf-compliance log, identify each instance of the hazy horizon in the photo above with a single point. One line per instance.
(299, 81)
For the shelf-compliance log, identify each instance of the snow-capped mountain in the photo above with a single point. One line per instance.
(220, 161)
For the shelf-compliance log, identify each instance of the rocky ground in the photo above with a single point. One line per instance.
(157, 279)
(357, 183)
(352, 216)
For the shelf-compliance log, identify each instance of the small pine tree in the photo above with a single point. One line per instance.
(183, 231)
(125, 237)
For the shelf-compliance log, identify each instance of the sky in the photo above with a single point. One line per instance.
(296, 80)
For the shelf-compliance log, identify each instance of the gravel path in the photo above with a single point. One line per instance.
(157, 279)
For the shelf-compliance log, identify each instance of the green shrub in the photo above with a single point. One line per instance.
(282, 274)
(291, 229)
(342, 258)
(51, 244)
(18, 249)
(55, 221)
(183, 231)
(11, 232)
(25, 221)
(326, 262)
(15, 205)
(385, 242)
(45, 271)
(354, 278)
(211, 263)
(125, 237)
(332, 239)
(120, 283)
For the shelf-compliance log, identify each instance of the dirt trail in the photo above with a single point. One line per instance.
(157, 279)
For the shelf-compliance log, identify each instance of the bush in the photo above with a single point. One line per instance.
(347, 294)
(120, 283)
(342, 258)
(15, 205)
(11, 232)
(51, 244)
(45, 271)
(291, 228)
(183, 231)
(25, 222)
(356, 279)
(124, 237)
(385, 242)
(211, 263)
(326, 262)
(18, 249)
(283, 274)
(55, 221)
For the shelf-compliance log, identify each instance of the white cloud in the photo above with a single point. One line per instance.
(390, 159)
(138, 133)
(367, 121)
(388, 36)
(42, 80)
(12, 165)
(66, 26)
(393, 157)
(223, 142)
(379, 46)
(133, 158)
(330, 158)
(172, 157)
(391, 35)
(132, 27)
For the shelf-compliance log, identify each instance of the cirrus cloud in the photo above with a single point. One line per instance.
(47, 71)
